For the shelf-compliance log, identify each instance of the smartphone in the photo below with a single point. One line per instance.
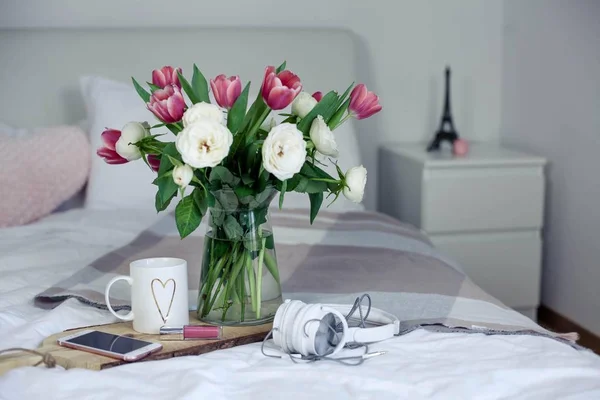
(121, 347)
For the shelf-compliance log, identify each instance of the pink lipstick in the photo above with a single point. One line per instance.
(192, 332)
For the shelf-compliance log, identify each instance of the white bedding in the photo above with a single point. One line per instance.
(418, 365)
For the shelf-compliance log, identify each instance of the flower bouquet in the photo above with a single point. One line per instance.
(230, 161)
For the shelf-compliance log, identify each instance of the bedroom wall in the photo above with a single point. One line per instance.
(403, 46)
(551, 105)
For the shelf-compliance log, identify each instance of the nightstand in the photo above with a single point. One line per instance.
(485, 210)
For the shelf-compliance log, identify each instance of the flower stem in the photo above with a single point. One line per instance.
(251, 281)
(257, 124)
(242, 288)
(261, 256)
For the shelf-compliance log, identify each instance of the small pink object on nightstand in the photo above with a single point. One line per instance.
(460, 147)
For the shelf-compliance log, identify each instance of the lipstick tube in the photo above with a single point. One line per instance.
(191, 332)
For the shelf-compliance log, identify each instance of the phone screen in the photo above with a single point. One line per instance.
(109, 342)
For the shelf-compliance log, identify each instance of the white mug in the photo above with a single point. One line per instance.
(159, 294)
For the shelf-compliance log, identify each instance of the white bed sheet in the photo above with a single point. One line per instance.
(418, 365)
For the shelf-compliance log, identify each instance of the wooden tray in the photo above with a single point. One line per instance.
(70, 358)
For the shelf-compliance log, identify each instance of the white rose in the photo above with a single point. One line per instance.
(303, 104)
(323, 138)
(182, 175)
(356, 179)
(284, 151)
(132, 132)
(201, 112)
(204, 143)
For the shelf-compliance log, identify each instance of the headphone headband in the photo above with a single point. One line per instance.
(307, 328)
(390, 325)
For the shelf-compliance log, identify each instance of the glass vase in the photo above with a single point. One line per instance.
(239, 280)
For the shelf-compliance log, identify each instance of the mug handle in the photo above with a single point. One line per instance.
(128, 316)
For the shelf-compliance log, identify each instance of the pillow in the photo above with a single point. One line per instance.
(41, 169)
(7, 130)
(112, 104)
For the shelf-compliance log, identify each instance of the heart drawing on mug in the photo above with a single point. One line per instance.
(162, 287)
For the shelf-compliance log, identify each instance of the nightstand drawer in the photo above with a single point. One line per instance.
(506, 265)
(477, 199)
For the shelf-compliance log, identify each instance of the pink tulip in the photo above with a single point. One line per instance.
(363, 103)
(226, 90)
(167, 104)
(108, 152)
(165, 76)
(279, 90)
(154, 162)
(317, 96)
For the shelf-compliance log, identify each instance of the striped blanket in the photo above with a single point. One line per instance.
(339, 257)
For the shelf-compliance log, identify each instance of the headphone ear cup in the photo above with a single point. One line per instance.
(325, 334)
(286, 325)
(277, 324)
(308, 322)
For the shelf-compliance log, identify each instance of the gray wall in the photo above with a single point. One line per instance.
(551, 106)
(403, 47)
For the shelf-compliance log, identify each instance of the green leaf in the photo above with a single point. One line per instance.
(312, 171)
(281, 67)
(282, 193)
(167, 189)
(218, 216)
(326, 108)
(220, 173)
(165, 160)
(260, 215)
(200, 86)
(174, 161)
(342, 98)
(187, 88)
(200, 200)
(306, 185)
(263, 180)
(290, 183)
(221, 248)
(232, 228)
(174, 128)
(256, 110)
(153, 87)
(337, 117)
(302, 184)
(227, 199)
(141, 91)
(243, 191)
(159, 204)
(252, 154)
(247, 179)
(187, 216)
(270, 243)
(236, 115)
(316, 199)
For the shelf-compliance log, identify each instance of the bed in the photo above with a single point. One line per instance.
(456, 341)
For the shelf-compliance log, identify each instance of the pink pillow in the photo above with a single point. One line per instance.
(39, 171)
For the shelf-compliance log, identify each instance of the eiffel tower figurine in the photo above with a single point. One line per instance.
(446, 130)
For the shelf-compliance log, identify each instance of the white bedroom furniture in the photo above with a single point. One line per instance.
(485, 210)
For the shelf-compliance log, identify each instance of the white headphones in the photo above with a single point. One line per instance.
(310, 329)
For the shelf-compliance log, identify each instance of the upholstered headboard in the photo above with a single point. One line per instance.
(40, 68)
